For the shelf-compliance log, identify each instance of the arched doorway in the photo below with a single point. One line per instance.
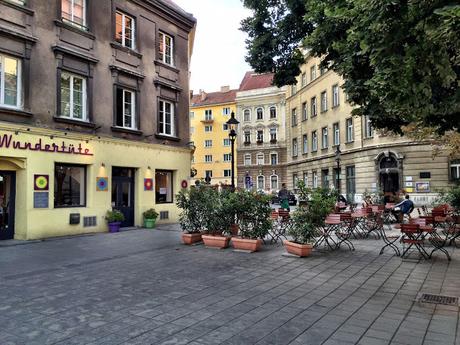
(389, 172)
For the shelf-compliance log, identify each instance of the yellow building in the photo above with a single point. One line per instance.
(57, 183)
(209, 113)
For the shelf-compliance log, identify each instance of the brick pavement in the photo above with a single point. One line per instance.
(143, 287)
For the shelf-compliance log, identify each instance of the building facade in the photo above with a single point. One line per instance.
(93, 113)
(209, 132)
(319, 121)
(262, 145)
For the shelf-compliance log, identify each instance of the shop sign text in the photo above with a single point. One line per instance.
(6, 141)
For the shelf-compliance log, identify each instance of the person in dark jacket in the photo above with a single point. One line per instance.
(404, 207)
(283, 196)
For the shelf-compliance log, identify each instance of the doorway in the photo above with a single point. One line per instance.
(123, 193)
(389, 173)
(7, 204)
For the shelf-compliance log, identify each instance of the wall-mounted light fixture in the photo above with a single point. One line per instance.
(103, 164)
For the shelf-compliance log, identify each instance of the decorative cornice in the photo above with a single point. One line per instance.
(18, 35)
(73, 28)
(168, 85)
(68, 51)
(126, 71)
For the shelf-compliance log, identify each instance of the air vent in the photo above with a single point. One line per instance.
(438, 299)
(89, 221)
(164, 214)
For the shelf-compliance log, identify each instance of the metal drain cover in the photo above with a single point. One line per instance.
(438, 299)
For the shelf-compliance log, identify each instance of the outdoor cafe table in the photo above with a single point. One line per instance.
(413, 235)
(331, 224)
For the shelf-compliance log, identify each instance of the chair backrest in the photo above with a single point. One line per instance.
(283, 213)
(419, 221)
(438, 213)
(410, 228)
(335, 217)
(378, 208)
(428, 219)
(274, 214)
(345, 216)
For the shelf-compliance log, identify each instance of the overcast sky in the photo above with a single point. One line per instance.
(219, 50)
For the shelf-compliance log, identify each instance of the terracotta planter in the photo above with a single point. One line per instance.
(216, 241)
(301, 250)
(246, 244)
(191, 238)
(234, 229)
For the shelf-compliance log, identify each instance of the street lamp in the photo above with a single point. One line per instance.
(337, 160)
(232, 124)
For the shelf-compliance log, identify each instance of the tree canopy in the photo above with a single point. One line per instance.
(400, 59)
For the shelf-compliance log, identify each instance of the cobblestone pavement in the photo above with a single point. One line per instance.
(144, 287)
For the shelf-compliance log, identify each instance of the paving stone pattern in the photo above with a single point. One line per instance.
(144, 287)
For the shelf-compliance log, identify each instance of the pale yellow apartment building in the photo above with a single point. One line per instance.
(209, 132)
(319, 121)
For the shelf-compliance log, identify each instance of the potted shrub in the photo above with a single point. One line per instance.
(218, 218)
(308, 219)
(114, 219)
(150, 217)
(452, 198)
(191, 219)
(234, 207)
(253, 218)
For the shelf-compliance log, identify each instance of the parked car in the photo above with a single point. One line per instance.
(291, 199)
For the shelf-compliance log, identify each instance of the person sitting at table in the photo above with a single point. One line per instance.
(404, 207)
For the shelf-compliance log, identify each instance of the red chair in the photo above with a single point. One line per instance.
(413, 236)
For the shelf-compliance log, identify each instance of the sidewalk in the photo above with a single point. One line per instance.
(144, 287)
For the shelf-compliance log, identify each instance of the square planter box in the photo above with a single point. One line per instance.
(216, 241)
(301, 250)
(191, 238)
(246, 244)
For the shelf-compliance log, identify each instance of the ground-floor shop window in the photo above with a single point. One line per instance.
(164, 188)
(69, 185)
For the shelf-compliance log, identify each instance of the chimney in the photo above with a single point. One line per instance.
(203, 95)
(225, 88)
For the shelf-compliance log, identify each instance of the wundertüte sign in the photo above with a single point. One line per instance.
(6, 141)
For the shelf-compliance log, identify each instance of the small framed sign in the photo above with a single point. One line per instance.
(422, 187)
(41, 200)
(41, 182)
(425, 174)
(148, 184)
(102, 184)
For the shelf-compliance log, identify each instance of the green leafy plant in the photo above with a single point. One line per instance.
(193, 204)
(449, 196)
(307, 219)
(113, 216)
(253, 214)
(151, 214)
